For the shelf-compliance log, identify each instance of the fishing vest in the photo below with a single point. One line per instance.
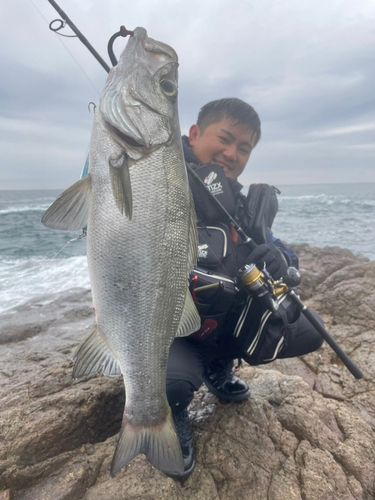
(231, 319)
(212, 282)
(219, 247)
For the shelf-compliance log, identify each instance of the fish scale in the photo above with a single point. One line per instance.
(144, 270)
(141, 245)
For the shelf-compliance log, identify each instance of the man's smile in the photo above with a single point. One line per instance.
(222, 164)
(224, 143)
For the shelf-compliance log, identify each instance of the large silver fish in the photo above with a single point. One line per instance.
(141, 244)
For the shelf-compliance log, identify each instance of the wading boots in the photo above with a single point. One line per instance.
(221, 381)
(185, 438)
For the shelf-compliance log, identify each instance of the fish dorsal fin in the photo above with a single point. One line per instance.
(71, 209)
(190, 320)
(94, 355)
(121, 186)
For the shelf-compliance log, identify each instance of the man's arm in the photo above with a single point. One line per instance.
(289, 254)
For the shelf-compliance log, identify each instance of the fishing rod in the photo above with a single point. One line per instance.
(66, 20)
(84, 40)
(255, 282)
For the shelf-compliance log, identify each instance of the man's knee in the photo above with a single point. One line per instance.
(315, 340)
(179, 394)
(306, 339)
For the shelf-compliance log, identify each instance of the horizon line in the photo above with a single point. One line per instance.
(245, 185)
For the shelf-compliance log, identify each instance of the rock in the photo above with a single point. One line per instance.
(307, 432)
(345, 298)
(316, 264)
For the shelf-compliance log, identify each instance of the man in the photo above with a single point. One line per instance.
(225, 134)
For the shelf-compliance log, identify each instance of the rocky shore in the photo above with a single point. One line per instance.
(306, 433)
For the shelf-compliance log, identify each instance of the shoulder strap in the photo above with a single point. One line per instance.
(217, 184)
(259, 210)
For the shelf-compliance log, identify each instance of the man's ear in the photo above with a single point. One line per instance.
(194, 133)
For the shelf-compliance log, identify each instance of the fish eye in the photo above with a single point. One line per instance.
(169, 88)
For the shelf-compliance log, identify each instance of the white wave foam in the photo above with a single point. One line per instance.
(303, 197)
(25, 279)
(366, 203)
(25, 208)
(32, 199)
(323, 199)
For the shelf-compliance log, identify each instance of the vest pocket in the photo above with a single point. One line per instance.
(261, 335)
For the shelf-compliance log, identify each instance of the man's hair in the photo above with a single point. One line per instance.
(236, 110)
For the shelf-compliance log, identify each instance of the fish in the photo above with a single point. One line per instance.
(141, 244)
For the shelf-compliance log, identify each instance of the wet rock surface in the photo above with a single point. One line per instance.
(306, 433)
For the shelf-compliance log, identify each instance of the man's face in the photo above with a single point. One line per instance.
(225, 144)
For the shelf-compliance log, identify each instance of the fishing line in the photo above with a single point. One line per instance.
(80, 67)
(83, 235)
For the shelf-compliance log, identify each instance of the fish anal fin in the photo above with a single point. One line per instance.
(190, 320)
(159, 443)
(121, 186)
(71, 209)
(94, 355)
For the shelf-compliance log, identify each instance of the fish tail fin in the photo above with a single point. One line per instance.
(159, 443)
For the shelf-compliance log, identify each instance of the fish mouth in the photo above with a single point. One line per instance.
(128, 106)
(154, 46)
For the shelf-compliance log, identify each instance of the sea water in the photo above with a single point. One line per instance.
(36, 261)
(328, 215)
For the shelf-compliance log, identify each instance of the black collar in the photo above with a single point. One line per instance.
(192, 159)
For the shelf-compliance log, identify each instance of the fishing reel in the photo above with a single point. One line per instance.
(262, 285)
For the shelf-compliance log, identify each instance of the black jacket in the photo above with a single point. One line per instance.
(236, 188)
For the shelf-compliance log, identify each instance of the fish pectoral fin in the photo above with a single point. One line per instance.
(159, 443)
(71, 209)
(121, 186)
(190, 320)
(94, 355)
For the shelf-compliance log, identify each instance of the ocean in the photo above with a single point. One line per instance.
(36, 261)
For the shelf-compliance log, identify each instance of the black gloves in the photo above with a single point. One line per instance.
(269, 254)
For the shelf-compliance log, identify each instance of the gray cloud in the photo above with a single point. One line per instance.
(307, 68)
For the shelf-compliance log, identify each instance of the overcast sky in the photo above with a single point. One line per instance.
(307, 67)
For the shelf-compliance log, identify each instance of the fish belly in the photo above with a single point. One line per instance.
(138, 272)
